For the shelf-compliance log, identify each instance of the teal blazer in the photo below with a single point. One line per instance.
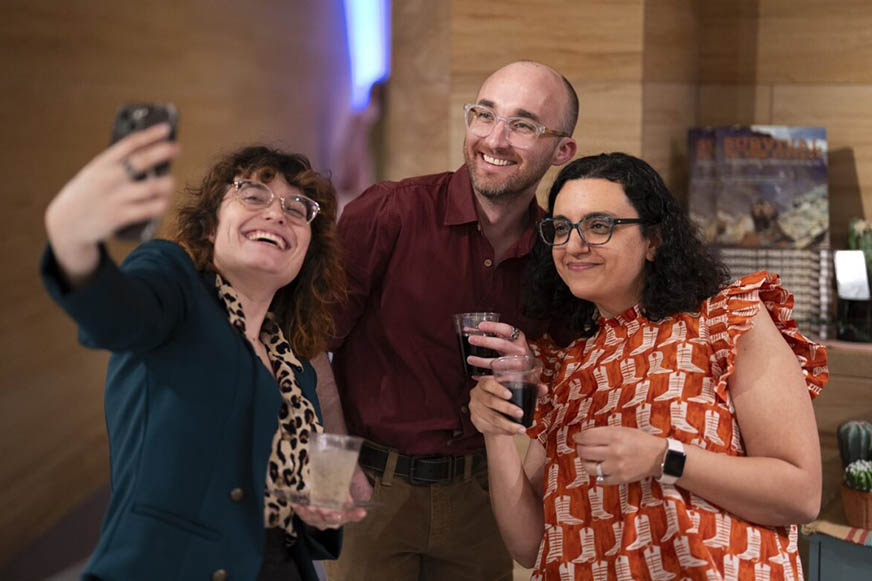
(190, 412)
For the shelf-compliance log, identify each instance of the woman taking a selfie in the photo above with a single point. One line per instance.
(209, 398)
(677, 438)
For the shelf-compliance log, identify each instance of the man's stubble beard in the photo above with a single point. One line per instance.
(503, 193)
(510, 189)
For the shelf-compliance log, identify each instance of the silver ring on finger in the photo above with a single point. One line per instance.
(515, 333)
(600, 477)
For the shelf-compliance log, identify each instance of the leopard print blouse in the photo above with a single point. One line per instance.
(289, 459)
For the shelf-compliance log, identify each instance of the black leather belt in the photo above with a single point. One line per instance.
(422, 470)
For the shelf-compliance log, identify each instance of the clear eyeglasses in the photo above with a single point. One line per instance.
(521, 132)
(594, 230)
(299, 209)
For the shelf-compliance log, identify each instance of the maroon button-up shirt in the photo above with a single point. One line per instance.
(415, 256)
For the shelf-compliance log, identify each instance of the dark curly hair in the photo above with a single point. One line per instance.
(303, 308)
(682, 275)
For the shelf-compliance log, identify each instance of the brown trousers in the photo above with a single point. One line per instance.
(440, 532)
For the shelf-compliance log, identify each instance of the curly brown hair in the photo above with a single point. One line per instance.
(303, 308)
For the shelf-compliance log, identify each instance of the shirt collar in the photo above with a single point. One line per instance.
(460, 209)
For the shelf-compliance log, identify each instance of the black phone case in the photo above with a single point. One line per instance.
(136, 117)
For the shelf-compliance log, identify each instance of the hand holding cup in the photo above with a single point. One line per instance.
(500, 339)
(505, 404)
(328, 518)
(332, 463)
(468, 326)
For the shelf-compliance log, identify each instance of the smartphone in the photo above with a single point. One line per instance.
(136, 117)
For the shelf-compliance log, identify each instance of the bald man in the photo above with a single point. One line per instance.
(418, 251)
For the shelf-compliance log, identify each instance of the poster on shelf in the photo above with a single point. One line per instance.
(760, 186)
(759, 195)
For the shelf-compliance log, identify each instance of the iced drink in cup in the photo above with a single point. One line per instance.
(466, 324)
(520, 374)
(332, 458)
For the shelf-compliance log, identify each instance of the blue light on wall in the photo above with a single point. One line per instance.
(368, 29)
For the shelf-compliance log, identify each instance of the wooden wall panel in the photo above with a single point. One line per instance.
(268, 71)
(672, 37)
(670, 75)
(785, 41)
(668, 110)
(729, 104)
(590, 40)
(814, 41)
(418, 121)
(611, 118)
(728, 41)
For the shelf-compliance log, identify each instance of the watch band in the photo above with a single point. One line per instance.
(672, 466)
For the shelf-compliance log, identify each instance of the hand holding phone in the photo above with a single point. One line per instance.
(102, 198)
(136, 117)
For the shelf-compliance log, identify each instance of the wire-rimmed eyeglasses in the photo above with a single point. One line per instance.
(594, 230)
(521, 132)
(299, 209)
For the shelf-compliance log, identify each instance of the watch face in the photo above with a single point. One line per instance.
(673, 464)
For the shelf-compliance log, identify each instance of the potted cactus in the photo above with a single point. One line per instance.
(855, 441)
(857, 494)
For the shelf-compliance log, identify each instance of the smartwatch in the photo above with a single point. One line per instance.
(672, 466)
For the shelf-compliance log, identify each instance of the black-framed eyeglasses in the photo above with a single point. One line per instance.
(594, 230)
(300, 210)
(521, 132)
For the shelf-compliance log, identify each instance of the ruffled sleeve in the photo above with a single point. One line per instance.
(728, 316)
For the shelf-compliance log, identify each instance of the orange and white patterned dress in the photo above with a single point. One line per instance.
(669, 378)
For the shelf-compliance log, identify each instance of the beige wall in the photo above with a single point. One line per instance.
(670, 72)
(238, 72)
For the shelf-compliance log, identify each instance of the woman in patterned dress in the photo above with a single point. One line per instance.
(209, 397)
(670, 362)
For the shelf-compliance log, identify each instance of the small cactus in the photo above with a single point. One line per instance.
(858, 476)
(855, 441)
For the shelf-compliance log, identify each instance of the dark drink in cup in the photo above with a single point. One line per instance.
(466, 324)
(524, 396)
(467, 349)
(520, 374)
